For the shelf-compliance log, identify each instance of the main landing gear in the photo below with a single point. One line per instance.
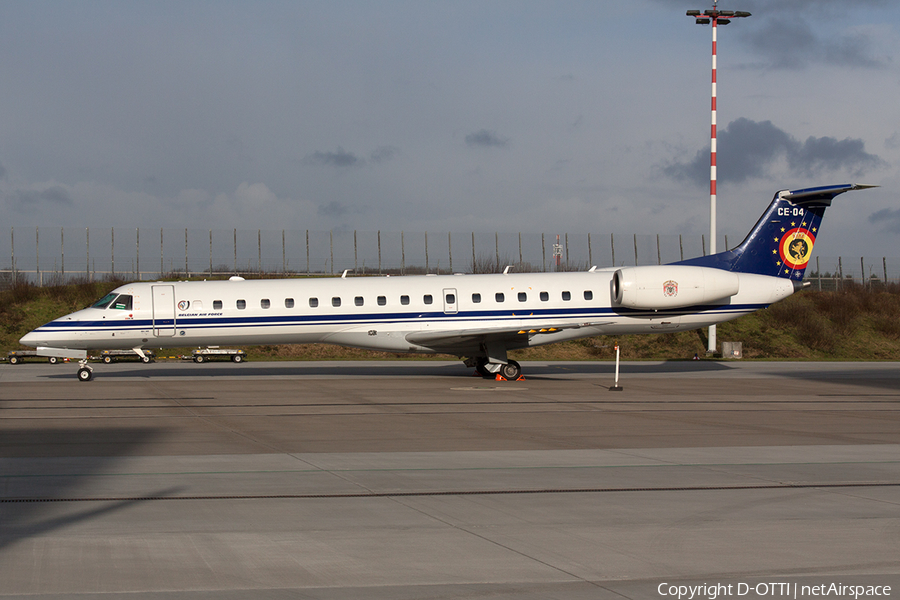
(510, 370)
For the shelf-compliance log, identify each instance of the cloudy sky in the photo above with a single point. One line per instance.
(563, 115)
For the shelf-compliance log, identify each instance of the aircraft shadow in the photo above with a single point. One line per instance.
(41, 467)
(877, 376)
(389, 369)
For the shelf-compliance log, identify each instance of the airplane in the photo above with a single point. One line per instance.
(478, 317)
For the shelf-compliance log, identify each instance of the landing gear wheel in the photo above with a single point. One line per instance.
(237, 358)
(511, 370)
(53, 360)
(85, 374)
(145, 359)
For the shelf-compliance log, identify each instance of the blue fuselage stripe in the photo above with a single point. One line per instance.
(200, 323)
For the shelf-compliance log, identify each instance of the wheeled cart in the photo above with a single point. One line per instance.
(205, 354)
(109, 356)
(17, 356)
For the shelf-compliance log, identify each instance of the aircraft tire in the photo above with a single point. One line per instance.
(53, 360)
(511, 370)
(85, 374)
(145, 359)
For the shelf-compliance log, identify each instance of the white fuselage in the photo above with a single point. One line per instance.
(452, 314)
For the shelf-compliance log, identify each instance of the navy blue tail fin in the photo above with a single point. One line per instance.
(781, 242)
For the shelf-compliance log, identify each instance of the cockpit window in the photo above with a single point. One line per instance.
(104, 301)
(123, 302)
(114, 301)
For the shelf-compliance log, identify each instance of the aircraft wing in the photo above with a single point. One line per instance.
(445, 337)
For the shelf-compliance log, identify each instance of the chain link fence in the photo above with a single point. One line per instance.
(52, 256)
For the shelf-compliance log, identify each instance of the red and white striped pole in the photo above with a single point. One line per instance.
(714, 17)
(712, 149)
(711, 344)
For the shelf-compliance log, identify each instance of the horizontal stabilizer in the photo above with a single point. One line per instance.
(823, 194)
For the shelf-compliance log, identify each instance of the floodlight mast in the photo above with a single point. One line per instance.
(714, 17)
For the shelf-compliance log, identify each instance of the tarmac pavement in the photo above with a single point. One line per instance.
(416, 480)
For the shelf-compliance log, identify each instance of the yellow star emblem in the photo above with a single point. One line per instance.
(793, 223)
(778, 263)
(782, 229)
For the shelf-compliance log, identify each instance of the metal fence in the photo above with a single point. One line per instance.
(50, 256)
(830, 273)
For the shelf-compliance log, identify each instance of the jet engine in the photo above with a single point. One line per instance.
(672, 286)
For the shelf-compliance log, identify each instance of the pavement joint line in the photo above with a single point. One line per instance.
(369, 412)
(372, 494)
(67, 403)
(496, 542)
(449, 469)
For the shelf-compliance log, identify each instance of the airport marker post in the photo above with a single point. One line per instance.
(616, 387)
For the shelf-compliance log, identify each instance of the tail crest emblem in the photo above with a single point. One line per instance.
(795, 247)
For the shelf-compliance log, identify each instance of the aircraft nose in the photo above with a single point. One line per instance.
(29, 339)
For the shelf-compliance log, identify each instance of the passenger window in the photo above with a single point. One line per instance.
(476, 298)
(358, 301)
(264, 303)
(289, 303)
(217, 305)
(335, 302)
(566, 296)
(123, 302)
(428, 299)
(382, 300)
(241, 304)
(523, 296)
(588, 295)
(499, 297)
(313, 302)
(196, 304)
(404, 300)
(545, 296)
(450, 299)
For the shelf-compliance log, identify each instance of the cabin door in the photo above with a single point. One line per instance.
(450, 301)
(163, 310)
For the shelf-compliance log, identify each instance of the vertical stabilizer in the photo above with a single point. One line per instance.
(781, 243)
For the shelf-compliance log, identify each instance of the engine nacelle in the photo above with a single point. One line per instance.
(672, 286)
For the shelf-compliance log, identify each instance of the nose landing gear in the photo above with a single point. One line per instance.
(85, 373)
